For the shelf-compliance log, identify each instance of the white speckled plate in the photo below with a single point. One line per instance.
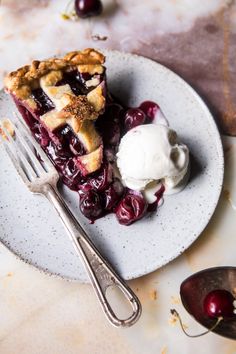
(30, 228)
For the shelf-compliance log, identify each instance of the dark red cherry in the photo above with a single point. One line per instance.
(88, 8)
(131, 208)
(218, 303)
(83, 189)
(133, 118)
(197, 290)
(90, 205)
(102, 180)
(71, 175)
(150, 109)
(113, 194)
(58, 155)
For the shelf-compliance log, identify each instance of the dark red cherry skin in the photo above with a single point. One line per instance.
(71, 175)
(88, 8)
(113, 194)
(218, 303)
(90, 205)
(131, 208)
(159, 194)
(133, 118)
(83, 189)
(150, 109)
(102, 179)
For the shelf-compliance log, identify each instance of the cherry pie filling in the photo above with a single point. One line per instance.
(100, 192)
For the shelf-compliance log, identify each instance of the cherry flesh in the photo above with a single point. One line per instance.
(88, 8)
(218, 303)
(133, 118)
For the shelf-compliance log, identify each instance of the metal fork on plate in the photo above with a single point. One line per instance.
(41, 177)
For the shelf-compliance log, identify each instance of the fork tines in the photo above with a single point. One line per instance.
(27, 156)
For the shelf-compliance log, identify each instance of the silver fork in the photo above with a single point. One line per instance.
(41, 177)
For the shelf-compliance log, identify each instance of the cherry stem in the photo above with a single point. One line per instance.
(67, 12)
(176, 314)
(69, 4)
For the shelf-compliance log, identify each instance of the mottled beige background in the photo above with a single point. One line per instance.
(44, 315)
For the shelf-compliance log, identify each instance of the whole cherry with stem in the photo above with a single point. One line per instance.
(219, 304)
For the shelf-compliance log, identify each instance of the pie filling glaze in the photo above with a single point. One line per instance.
(66, 104)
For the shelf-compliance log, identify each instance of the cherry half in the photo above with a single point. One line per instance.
(88, 8)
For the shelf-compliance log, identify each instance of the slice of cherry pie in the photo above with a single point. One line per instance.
(66, 104)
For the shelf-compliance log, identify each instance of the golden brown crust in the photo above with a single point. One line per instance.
(52, 78)
(78, 109)
(90, 68)
(89, 136)
(52, 120)
(91, 162)
(96, 98)
(87, 56)
(21, 81)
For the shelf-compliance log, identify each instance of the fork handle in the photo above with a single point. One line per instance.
(99, 270)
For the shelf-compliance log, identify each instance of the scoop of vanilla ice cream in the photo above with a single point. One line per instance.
(150, 153)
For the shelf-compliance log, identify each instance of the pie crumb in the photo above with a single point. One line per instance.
(172, 320)
(6, 123)
(164, 350)
(98, 37)
(153, 294)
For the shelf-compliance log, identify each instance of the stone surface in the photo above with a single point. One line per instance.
(45, 315)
